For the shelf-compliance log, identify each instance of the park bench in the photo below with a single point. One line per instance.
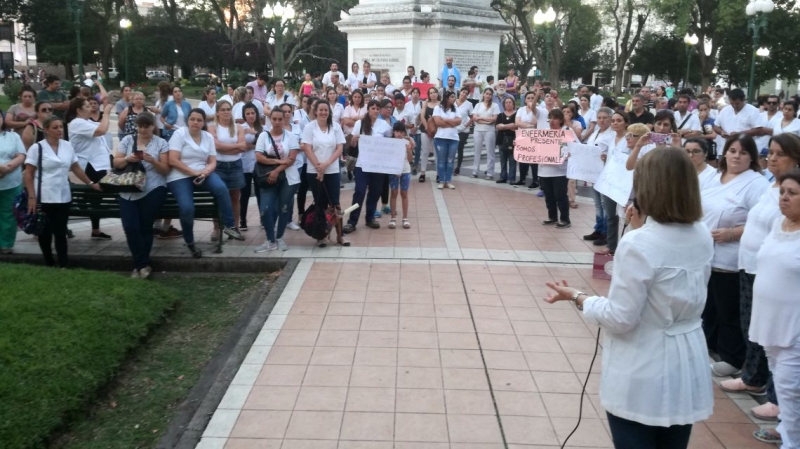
(88, 202)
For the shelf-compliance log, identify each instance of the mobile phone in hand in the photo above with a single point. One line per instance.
(199, 180)
(660, 138)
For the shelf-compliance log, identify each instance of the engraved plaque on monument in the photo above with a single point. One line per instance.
(391, 60)
(464, 59)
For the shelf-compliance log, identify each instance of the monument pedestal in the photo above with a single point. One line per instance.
(394, 34)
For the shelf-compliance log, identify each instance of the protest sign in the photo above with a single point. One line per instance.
(616, 181)
(423, 89)
(584, 163)
(541, 146)
(381, 155)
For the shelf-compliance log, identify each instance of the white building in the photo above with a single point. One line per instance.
(14, 51)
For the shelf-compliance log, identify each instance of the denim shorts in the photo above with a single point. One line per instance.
(403, 181)
(231, 174)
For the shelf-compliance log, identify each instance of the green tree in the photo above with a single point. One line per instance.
(627, 20)
(664, 56)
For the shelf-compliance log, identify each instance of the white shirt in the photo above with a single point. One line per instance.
(589, 116)
(693, 123)
(763, 141)
(759, 223)
(273, 99)
(603, 139)
(537, 117)
(379, 128)
(249, 156)
(338, 112)
(446, 133)
(415, 110)
(300, 117)
(726, 206)
(180, 121)
(653, 339)
(89, 148)
(596, 102)
(210, 110)
(323, 144)
(732, 122)
(353, 113)
(285, 144)
(10, 147)
(54, 172)
(326, 78)
(778, 128)
(154, 179)
(193, 155)
(405, 116)
(706, 176)
(481, 111)
(239, 107)
(775, 320)
(353, 79)
(224, 136)
(225, 97)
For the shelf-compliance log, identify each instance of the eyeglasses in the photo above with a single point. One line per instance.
(694, 152)
(628, 136)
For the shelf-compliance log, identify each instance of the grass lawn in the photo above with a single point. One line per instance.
(67, 336)
(5, 103)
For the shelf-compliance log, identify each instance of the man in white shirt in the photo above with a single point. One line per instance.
(596, 100)
(450, 70)
(772, 111)
(326, 78)
(403, 114)
(259, 87)
(739, 117)
(688, 124)
(582, 90)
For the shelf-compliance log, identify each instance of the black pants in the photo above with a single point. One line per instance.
(56, 227)
(462, 142)
(755, 371)
(385, 191)
(721, 320)
(633, 435)
(95, 176)
(555, 197)
(250, 188)
(523, 173)
(302, 191)
(368, 186)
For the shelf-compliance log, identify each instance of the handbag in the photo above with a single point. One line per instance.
(602, 266)
(262, 171)
(31, 224)
(130, 179)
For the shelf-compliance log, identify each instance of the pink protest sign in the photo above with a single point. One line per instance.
(541, 146)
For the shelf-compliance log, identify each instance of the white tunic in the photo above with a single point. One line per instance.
(759, 223)
(193, 155)
(655, 360)
(54, 172)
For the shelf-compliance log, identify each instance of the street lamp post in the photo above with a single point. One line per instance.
(546, 19)
(690, 42)
(76, 6)
(757, 23)
(125, 24)
(279, 18)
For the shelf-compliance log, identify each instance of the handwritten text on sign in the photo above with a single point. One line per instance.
(381, 155)
(540, 146)
(616, 181)
(584, 162)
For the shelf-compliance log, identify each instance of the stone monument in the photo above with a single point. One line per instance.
(394, 34)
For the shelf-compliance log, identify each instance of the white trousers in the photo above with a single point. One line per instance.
(484, 140)
(427, 147)
(785, 366)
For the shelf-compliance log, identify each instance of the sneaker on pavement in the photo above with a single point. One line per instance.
(549, 222)
(490, 177)
(348, 228)
(266, 246)
(293, 226)
(738, 386)
(563, 225)
(144, 273)
(766, 411)
(170, 233)
(440, 186)
(282, 246)
(377, 214)
(233, 233)
(373, 224)
(593, 236)
(770, 436)
(386, 209)
(243, 227)
(101, 236)
(135, 274)
(724, 369)
(451, 186)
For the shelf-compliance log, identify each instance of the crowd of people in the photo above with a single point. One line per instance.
(717, 177)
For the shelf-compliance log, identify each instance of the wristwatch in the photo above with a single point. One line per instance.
(575, 299)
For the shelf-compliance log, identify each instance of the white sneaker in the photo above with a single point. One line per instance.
(266, 246)
(440, 186)
(282, 246)
(293, 226)
(724, 369)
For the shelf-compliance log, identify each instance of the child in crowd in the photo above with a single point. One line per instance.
(401, 182)
(308, 85)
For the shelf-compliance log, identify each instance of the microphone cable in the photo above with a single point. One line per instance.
(583, 390)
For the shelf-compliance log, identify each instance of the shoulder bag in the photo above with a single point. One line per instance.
(130, 179)
(31, 224)
(262, 171)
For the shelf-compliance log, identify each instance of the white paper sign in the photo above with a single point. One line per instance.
(616, 182)
(381, 154)
(584, 163)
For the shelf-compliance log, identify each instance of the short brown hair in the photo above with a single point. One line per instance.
(790, 144)
(667, 188)
(748, 145)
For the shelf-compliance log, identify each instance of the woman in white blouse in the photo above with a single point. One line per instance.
(58, 159)
(529, 116)
(87, 139)
(209, 103)
(322, 144)
(301, 188)
(655, 382)
(354, 78)
(485, 115)
(252, 129)
(589, 116)
(727, 199)
(354, 112)
(336, 107)
(280, 148)
(230, 143)
(697, 149)
(12, 157)
(785, 123)
(447, 121)
(784, 155)
(776, 315)
(464, 109)
(622, 142)
(138, 211)
(193, 158)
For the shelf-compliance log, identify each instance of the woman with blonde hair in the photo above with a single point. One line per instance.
(651, 317)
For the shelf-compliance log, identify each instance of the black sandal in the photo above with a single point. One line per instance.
(422, 177)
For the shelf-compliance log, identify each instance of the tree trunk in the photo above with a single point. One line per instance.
(618, 73)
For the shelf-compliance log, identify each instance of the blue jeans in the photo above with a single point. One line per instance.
(276, 205)
(137, 222)
(445, 158)
(417, 148)
(332, 186)
(599, 212)
(183, 191)
(633, 435)
(369, 185)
